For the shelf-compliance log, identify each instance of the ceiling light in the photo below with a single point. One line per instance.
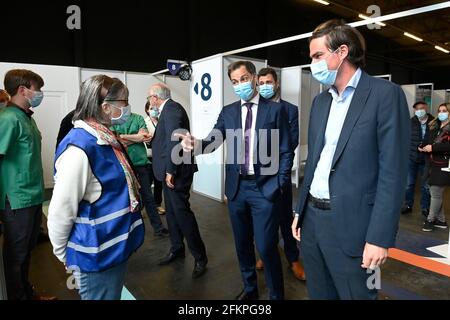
(322, 2)
(409, 35)
(367, 18)
(441, 49)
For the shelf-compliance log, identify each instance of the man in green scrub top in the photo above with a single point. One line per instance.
(21, 180)
(134, 133)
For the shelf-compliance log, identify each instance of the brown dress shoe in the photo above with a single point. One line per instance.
(298, 271)
(259, 265)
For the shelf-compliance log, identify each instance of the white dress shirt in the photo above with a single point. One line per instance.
(338, 112)
(244, 111)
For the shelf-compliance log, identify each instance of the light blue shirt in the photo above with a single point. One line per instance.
(424, 129)
(338, 112)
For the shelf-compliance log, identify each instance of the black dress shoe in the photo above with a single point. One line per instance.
(248, 295)
(162, 233)
(199, 268)
(406, 209)
(171, 257)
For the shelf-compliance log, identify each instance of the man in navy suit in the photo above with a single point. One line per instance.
(259, 160)
(178, 176)
(355, 177)
(269, 88)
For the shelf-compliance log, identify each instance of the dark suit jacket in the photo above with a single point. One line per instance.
(271, 115)
(65, 127)
(172, 118)
(369, 169)
(292, 112)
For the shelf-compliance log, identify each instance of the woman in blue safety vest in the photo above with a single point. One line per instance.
(94, 219)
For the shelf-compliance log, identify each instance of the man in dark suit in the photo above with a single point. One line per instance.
(269, 88)
(178, 176)
(258, 165)
(355, 176)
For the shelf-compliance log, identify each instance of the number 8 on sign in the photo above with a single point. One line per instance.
(206, 91)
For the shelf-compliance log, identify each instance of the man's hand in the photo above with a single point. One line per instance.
(295, 230)
(373, 256)
(188, 142)
(428, 149)
(170, 181)
(146, 137)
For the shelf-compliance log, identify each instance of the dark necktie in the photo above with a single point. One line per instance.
(247, 138)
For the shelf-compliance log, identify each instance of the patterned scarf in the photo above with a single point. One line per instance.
(133, 185)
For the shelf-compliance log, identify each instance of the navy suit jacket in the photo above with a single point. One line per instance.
(369, 169)
(292, 112)
(270, 115)
(172, 118)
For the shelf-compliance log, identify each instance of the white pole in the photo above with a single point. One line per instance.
(356, 24)
(160, 72)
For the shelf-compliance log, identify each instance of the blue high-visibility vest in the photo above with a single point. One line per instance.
(106, 232)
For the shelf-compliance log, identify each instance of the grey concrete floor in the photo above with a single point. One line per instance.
(146, 280)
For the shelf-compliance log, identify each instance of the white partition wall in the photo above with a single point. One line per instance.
(87, 73)
(410, 93)
(60, 96)
(206, 104)
(180, 92)
(438, 98)
(138, 85)
(300, 88)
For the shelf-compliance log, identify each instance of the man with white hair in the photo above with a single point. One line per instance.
(177, 178)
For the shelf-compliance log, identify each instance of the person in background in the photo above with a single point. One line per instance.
(438, 148)
(177, 177)
(4, 99)
(94, 220)
(21, 180)
(419, 129)
(134, 134)
(269, 88)
(65, 127)
(151, 120)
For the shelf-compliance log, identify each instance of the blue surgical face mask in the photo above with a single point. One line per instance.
(125, 113)
(244, 90)
(36, 99)
(321, 72)
(267, 91)
(154, 113)
(443, 116)
(420, 113)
